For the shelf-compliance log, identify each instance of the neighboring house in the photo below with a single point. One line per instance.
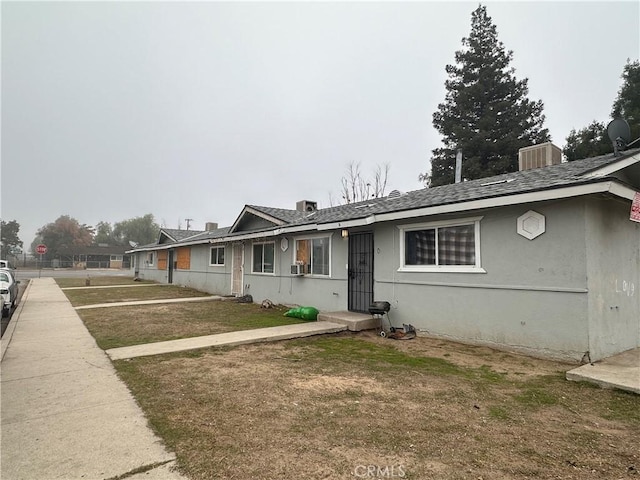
(545, 260)
(94, 256)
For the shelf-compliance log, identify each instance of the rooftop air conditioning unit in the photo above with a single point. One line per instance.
(537, 156)
(297, 269)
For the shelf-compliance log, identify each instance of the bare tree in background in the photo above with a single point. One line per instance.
(356, 188)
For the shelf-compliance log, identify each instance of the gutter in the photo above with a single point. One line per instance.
(266, 233)
(228, 239)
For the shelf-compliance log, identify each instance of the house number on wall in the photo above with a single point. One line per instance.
(625, 287)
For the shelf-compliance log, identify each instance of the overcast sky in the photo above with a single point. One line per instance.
(191, 110)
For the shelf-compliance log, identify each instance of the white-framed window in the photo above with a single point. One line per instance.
(446, 246)
(263, 257)
(116, 258)
(315, 253)
(216, 256)
(150, 258)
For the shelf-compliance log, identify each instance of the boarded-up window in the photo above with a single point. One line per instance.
(314, 254)
(184, 258)
(162, 259)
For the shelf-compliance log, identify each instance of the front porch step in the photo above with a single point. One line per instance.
(355, 322)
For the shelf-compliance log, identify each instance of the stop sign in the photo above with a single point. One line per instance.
(41, 249)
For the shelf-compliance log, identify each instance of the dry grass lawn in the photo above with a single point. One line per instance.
(121, 326)
(359, 406)
(89, 296)
(124, 326)
(102, 280)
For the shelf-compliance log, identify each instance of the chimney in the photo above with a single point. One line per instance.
(306, 206)
(210, 226)
(537, 156)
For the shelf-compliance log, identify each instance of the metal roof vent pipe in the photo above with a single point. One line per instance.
(459, 166)
(210, 226)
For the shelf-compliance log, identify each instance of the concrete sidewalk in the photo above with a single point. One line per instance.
(65, 413)
(620, 371)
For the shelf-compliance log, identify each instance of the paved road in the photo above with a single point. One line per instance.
(5, 320)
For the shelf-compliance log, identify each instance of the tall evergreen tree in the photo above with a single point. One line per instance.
(486, 112)
(589, 141)
(627, 104)
(593, 139)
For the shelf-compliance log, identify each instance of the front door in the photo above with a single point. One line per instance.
(360, 270)
(170, 267)
(236, 269)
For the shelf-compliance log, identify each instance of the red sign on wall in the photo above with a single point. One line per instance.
(635, 208)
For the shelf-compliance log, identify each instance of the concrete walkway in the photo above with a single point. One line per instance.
(620, 371)
(150, 302)
(269, 334)
(65, 413)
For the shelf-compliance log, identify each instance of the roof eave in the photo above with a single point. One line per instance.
(610, 186)
(613, 167)
(267, 233)
(258, 213)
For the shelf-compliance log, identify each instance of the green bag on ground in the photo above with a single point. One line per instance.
(305, 313)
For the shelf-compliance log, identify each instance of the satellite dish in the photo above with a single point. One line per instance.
(619, 134)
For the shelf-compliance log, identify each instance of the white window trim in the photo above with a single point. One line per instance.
(311, 237)
(217, 264)
(477, 268)
(274, 259)
(151, 255)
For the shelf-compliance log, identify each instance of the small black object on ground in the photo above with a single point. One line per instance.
(379, 310)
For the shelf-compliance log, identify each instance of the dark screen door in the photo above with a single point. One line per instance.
(360, 285)
(170, 267)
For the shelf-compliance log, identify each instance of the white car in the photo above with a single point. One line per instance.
(6, 264)
(8, 291)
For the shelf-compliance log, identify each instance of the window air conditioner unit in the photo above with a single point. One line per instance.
(297, 269)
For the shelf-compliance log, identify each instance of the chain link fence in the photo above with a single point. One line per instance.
(35, 264)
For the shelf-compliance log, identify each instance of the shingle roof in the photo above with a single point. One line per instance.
(217, 233)
(537, 179)
(527, 181)
(287, 216)
(179, 235)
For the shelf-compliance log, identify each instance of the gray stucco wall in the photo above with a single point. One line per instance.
(201, 276)
(613, 246)
(574, 289)
(532, 298)
(147, 272)
(326, 294)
